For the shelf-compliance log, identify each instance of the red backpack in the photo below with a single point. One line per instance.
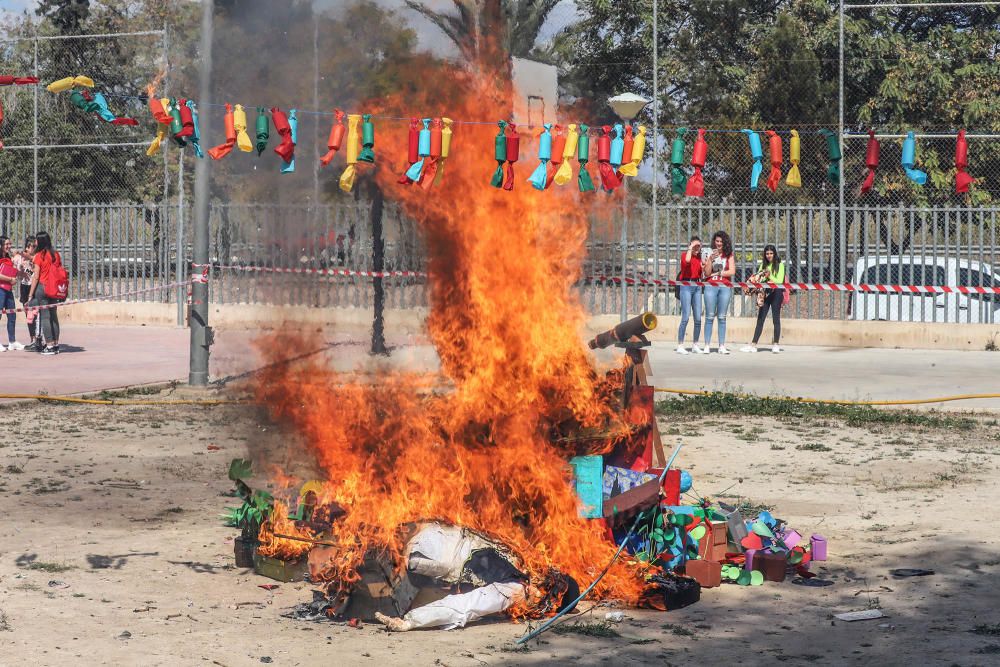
(56, 282)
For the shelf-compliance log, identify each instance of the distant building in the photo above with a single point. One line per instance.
(536, 92)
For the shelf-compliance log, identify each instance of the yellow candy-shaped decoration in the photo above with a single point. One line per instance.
(445, 148)
(794, 178)
(240, 124)
(565, 172)
(70, 82)
(162, 131)
(353, 148)
(638, 149)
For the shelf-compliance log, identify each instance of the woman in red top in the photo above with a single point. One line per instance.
(690, 295)
(8, 278)
(45, 258)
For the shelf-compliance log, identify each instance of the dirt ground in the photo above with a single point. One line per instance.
(112, 550)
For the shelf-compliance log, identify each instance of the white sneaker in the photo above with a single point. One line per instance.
(775, 349)
(703, 350)
(15, 346)
(748, 348)
(682, 350)
(723, 350)
(696, 349)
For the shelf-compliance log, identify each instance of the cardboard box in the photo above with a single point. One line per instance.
(772, 565)
(735, 525)
(621, 480)
(280, 570)
(587, 473)
(817, 547)
(708, 573)
(714, 545)
(627, 505)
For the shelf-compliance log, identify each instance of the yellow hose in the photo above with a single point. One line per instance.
(114, 401)
(829, 401)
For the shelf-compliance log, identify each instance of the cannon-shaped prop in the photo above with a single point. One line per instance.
(636, 326)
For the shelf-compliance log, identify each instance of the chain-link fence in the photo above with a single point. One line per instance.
(57, 153)
(729, 165)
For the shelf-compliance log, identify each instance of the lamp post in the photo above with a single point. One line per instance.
(626, 106)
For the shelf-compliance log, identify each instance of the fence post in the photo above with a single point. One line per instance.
(378, 265)
(201, 334)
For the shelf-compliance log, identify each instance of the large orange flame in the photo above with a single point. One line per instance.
(506, 324)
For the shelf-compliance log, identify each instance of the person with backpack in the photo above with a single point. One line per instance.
(25, 270)
(49, 287)
(8, 279)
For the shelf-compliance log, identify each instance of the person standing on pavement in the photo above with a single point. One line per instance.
(690, 296)
(47, 262)
(8, 280)
(770, 271)
(25, 269)
(717, 269)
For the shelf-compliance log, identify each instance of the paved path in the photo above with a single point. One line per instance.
(837, 373)
(102, 357)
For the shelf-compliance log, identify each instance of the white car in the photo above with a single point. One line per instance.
(924, 271)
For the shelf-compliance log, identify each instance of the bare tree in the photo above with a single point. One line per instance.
(488, 33)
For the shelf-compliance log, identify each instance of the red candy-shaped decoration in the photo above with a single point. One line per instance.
(513, 152)
(696, 183)
(871, 162)
(774, 142)
(962, 178)
(609, 179)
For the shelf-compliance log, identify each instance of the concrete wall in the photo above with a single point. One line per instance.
(826, 333)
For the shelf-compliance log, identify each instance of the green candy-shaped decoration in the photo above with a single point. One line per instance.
(833, 153)
(263, 130)
(176, 125)
(584, 181)
(499, 154)
(367, 139)
(678, 177)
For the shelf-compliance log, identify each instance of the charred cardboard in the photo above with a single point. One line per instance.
(381, 589)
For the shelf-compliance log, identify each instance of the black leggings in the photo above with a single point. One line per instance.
(773, 301)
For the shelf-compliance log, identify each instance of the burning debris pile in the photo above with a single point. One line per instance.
(479, 474)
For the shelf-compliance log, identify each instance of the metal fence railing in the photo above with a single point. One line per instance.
(119, 250)
(873, 244)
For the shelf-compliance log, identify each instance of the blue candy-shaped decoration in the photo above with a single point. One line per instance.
(293, 123)
(618, 146)
(103, 110)
(539, 177)
(416, 170)
(757, 153)
(196, 136)
(909, 159)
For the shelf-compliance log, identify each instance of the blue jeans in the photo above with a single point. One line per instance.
(690, 300)
(717, 298)
(7, 303)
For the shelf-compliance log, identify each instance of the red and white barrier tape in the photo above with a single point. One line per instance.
(316, 272)
(108, 297)
(826, 287)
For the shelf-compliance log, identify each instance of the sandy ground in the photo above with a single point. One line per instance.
(112, 551)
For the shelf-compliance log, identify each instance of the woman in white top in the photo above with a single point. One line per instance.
(717, 270)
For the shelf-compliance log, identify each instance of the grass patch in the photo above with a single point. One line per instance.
(593, 629)
(678, 630)
(717, 403)
(4, 623)
(130, 392)
(987, 630)
(813, 447)
(49, 567)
